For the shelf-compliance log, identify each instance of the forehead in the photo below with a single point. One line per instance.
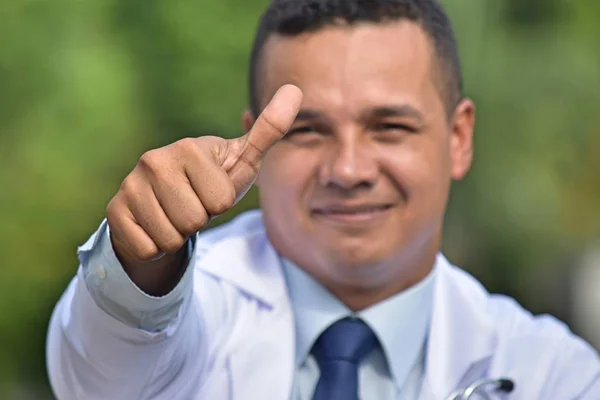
(352, 67)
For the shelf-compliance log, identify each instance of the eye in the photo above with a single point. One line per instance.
(305, 136)
(300, 130)
(391, 127)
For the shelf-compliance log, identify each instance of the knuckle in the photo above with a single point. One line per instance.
(190, 148)
(193, 225)
(111, 210)
(151, 161)
(199, 148)
(201, 221)
(253, 165)
(115, 210)
(172, 244)
(145, 253)
(219, 208)
(271, 123)
(231, 196)
(225, 203)
(128, 185)
(187, 144)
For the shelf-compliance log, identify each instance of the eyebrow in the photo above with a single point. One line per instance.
(404, 110)
(308, 114)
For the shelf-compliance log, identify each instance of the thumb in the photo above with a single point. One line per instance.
(272, 124)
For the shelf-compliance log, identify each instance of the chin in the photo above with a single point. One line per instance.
(358, 257)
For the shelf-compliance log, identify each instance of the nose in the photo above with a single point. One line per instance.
(350, 163)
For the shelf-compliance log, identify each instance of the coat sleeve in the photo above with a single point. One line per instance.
(93, 354)
(115, 293)
(577, 372)
(593, 391)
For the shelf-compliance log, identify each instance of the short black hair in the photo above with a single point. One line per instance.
(294, 17)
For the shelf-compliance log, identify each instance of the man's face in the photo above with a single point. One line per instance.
(356, 191)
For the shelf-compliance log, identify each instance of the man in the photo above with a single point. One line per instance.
(336, 289)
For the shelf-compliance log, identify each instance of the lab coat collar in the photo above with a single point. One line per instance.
(241, 254)
(461, 335)
(315, 309)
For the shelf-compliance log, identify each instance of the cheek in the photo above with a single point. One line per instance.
(407, 164)
(420, 167)
(284, 177)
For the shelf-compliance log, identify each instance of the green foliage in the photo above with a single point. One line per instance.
(87, 87)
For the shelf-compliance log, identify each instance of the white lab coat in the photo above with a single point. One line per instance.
(234, 337)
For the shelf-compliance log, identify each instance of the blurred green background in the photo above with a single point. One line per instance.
(87, 86)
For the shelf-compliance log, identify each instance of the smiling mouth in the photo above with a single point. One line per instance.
(352, 214)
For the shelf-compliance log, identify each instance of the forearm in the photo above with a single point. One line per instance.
(107, 336)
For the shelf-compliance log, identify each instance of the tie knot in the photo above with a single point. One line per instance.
(345, 340)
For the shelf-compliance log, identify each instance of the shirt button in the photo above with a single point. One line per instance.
(101, 272)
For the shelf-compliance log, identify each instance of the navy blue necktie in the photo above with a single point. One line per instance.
(339, 351)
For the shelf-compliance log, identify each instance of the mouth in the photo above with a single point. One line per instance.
(352, 214)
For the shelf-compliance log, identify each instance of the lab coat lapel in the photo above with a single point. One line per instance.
(460, 343)
(262, 348)
(461, 338)
(250, 263)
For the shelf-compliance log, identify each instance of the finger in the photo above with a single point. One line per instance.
(213, 186)
(148, 213)
(127, 236)
(272, 124)
(181, 205)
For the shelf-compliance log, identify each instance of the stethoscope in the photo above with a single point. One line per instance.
(500, 385)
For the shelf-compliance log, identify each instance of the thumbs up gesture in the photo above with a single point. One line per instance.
(174, 191)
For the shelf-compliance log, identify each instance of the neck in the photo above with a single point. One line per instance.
(361, 295)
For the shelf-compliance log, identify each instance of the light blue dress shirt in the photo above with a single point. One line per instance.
(116, 294)
(394, 371)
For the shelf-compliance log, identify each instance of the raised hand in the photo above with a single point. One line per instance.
(174, 191)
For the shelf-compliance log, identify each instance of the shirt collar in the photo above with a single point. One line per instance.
(400, 322)
(315, 308)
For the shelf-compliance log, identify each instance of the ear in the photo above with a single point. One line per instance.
(247, 120)
(461, 141)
